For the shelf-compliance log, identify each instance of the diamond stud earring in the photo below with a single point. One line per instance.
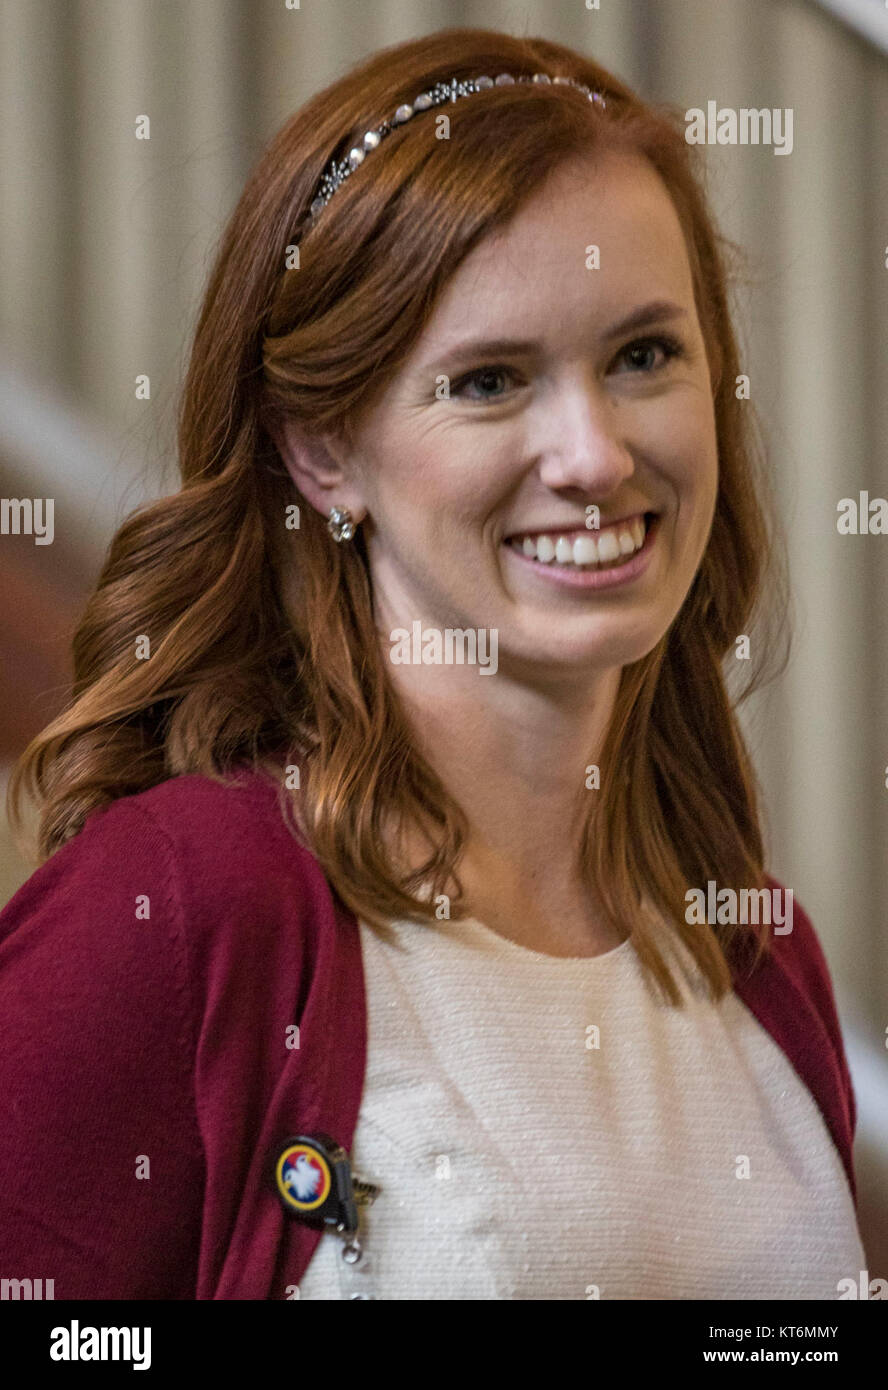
(340, 524)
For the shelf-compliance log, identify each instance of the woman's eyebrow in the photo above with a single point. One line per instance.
(645, 316)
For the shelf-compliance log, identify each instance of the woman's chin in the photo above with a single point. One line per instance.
(565, 648)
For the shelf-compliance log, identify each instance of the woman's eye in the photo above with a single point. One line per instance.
(486, 378)
(642, 355)
(647, 355)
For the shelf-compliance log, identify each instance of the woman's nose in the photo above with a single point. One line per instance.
(585, 444)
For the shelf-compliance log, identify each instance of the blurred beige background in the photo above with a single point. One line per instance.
(105, 242)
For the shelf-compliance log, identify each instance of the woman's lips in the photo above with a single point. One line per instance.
(594, 576)
(580, 528)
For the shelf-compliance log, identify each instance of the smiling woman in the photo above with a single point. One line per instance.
(584, 422)
(470, 316)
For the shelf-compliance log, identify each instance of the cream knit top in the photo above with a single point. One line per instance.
(546, 1128)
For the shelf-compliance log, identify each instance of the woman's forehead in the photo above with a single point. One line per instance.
(543, 261)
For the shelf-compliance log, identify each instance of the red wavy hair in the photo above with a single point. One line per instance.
(263, 648)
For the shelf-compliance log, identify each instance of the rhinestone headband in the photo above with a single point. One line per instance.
(339, 170)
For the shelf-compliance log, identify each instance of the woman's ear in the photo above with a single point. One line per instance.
(319, 467)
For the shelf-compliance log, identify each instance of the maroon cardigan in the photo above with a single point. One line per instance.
(149, 971)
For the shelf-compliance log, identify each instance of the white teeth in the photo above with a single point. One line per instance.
(608, 547)
(545, 549)
(604, 547)
(627, 544)
(585, 550)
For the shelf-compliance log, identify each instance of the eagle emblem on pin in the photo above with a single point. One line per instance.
(312, 1177)
(303, 1177)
